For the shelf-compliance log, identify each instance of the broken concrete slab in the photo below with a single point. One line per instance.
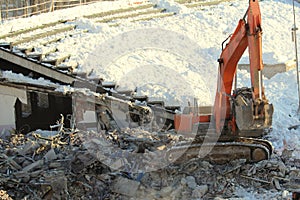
(200, 191)
(125, 186)
(50, 155)
(191, 182)
(33, 166)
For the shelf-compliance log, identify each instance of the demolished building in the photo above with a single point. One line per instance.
(29, 104)
(26, 107)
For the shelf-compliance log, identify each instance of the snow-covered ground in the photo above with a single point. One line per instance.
(174, 58)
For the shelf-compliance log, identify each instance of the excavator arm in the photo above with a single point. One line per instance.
(241, 110)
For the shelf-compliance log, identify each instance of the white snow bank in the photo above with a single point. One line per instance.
(282, 91)
(20, 78)
(170, 5)
(64, 14)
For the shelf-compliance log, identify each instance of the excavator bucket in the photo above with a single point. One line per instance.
(244, 116)
(251, 118)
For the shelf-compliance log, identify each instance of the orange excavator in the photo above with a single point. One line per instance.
(240, 115)
(233, 127)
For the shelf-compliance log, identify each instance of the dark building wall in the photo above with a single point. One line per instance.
(43, 110)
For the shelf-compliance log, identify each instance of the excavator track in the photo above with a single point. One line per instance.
(250, 149)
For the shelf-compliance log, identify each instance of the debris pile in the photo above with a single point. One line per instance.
(75, 165)
(49, 165)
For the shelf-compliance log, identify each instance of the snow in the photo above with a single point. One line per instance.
(65, 14)
(174, 58)
(20, 78)
(169, 5)
(282, 91)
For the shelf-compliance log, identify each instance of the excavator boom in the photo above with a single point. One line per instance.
(228, 61)
(243, 112)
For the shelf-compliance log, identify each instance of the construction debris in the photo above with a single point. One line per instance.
(125, 186)
(63, 165)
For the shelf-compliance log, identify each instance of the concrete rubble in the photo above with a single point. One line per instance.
(64, 165)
